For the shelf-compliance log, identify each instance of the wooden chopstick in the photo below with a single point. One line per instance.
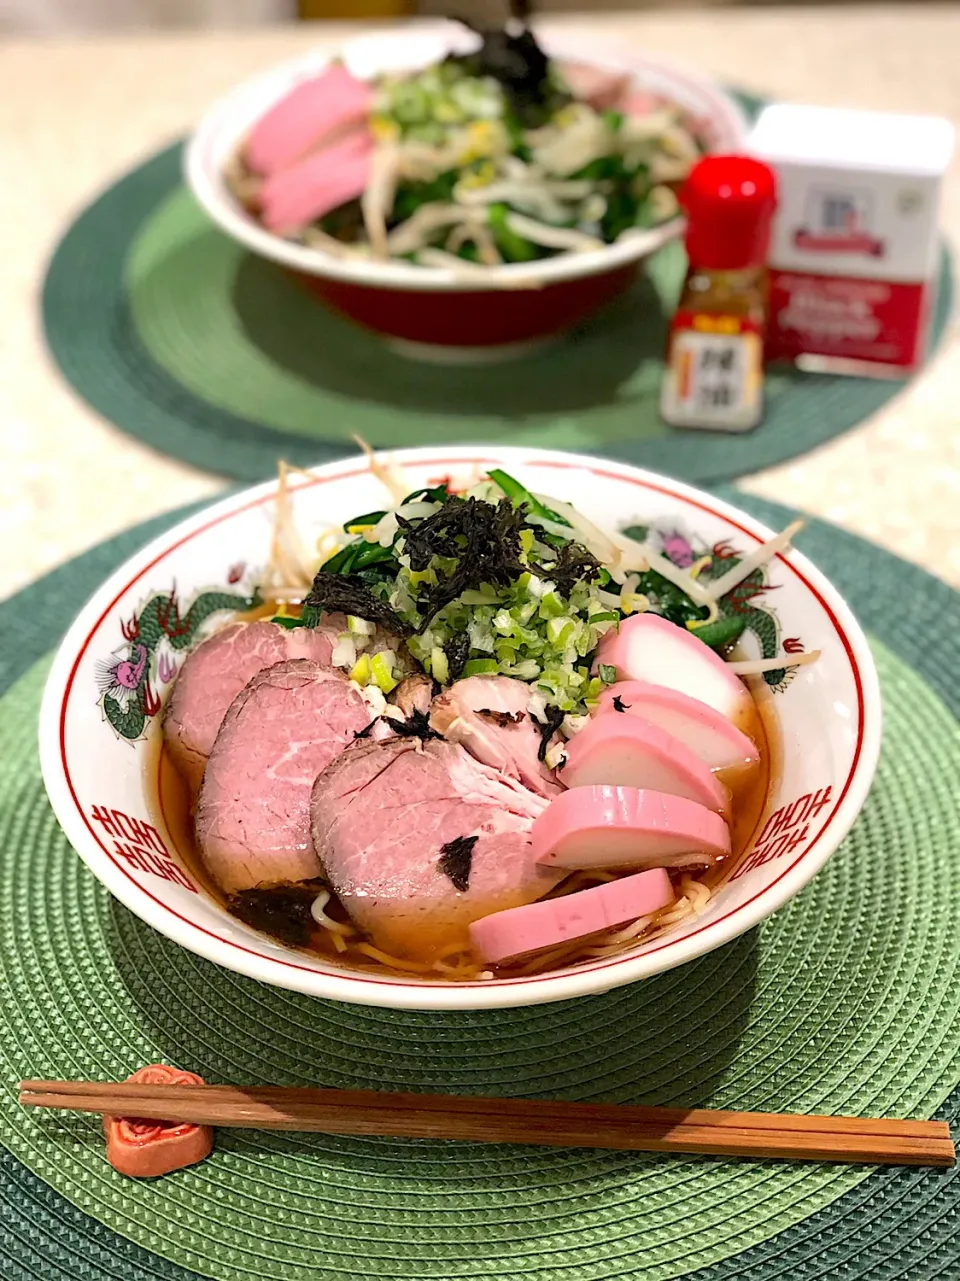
(536, 1121)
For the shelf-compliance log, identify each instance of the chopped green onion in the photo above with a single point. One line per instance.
(551, 606)
(286, 621)
(360, 672)
(481, 667)
(560, 630)
(484, 596)
(607, 674)
(409, 103)
(360, 626)
(381, 669)
(525, 671)
(439, 666)
(448, 112)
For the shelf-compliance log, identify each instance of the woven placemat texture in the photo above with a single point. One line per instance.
(209, 354)
(846, 1000)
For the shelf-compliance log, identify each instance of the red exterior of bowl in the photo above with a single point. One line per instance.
(471, 317)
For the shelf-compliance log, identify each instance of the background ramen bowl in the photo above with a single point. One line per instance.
(103, 786)
(428, 306)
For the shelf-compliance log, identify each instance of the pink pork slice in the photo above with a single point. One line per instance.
(645, 647)
(253, 815)
(590, 827)
(536, 926)
(314, 111)
(710, 736)
(216, 671)
(599, 88)
(637, 102)
(488, 715)
(626, 751)
(320, 182)
(419, 839)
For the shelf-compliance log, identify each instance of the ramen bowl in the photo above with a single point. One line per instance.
(431, 311)
(100, 758)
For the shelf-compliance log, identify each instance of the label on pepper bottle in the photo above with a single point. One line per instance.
(714, 373)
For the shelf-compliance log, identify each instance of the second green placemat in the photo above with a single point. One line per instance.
(209, 354)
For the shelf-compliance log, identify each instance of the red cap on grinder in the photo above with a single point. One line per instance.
(729, 202)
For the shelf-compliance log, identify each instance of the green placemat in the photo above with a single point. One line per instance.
(207, 353)
(846, 1000)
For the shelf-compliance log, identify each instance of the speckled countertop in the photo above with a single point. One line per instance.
(75, 115)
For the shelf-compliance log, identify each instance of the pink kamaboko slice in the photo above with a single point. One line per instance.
(646, 647)
(699, 727)
(536, 926)
(320, 182)
(626, 751)
(627, 827)
(314, 112)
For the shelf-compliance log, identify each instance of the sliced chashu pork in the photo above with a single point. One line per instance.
(419, 839)
(598, 87)
(216, 671)
(253, 814)
(488, 715)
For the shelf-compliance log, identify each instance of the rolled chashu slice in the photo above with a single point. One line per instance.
(419, 839)
(253, 813)
(488, 715)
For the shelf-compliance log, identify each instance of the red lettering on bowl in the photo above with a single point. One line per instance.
(140, 845)
(786, 829)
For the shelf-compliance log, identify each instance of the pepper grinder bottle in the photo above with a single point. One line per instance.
(714, 373)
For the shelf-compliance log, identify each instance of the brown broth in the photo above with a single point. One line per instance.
(172, 807)
(750, 786)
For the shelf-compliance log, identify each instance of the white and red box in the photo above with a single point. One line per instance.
(854, 254)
